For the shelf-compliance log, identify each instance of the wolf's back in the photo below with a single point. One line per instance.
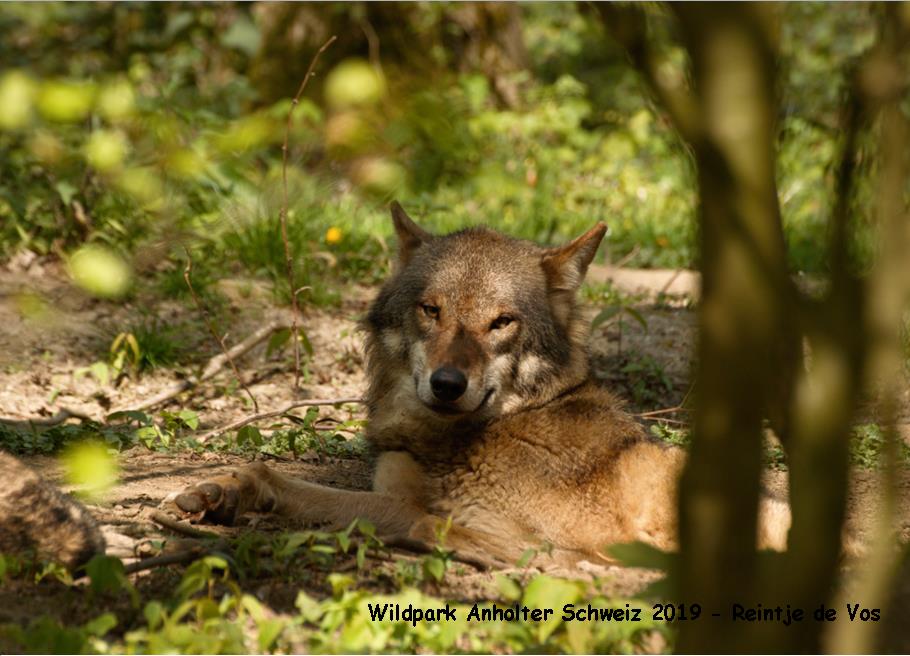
(36, 518)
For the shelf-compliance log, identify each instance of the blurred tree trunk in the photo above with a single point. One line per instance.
(882, 83)
(750, 320)
(747, 315)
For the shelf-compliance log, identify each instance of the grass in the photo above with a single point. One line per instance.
(867, 442)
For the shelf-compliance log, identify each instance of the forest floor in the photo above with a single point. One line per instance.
(647, 363)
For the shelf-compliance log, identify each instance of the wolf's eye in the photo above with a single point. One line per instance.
(501, 321)
(430, 310)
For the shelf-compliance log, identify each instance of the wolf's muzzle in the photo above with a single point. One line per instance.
(448, 384)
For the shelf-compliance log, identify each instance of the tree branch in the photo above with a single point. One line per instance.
(213, 366)
(289, 262)
(240, 423)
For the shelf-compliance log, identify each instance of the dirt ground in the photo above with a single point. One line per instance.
(42, 350)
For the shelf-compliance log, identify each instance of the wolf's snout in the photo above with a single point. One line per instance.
(448, 384)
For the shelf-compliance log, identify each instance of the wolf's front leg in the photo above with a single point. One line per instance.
(258, 488)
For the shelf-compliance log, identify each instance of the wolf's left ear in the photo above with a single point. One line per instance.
(565, 266)
(410, 235)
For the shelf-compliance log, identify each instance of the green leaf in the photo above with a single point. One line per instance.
(605, 315)
(242, 35)
(106, 574)
(344, 541)
(278, 339)
(546, 592)
(66, 191)
(366, 527)
(101, 372)
(434, 567)
(100, 625)
(292, 543)
(148, 435)
(307, 346)
(361, 556)
(249, 434)
(526, 557)
(269, 630)
(309, 608)
(190, 418)
(154, 614)
(635, 314)
(508, 588)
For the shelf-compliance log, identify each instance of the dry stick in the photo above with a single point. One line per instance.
(625, 259)
(212, 367)
(177, 558)
(417, 546)
(664, 411)
(373, 42)
(180, 527)
(208, 322)
(61, 416)
(677, 408)
(666, 420)
(240, 423)
(289, 263)
(670, 282)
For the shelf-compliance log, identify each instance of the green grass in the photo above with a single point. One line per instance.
(866, 446)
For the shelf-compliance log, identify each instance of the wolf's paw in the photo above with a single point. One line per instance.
(223, 499)
(216, 501)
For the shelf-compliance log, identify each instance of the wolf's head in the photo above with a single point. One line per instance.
(475, 324)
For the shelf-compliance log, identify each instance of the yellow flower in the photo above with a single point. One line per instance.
(333, 235)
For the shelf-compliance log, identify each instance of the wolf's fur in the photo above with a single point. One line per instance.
(38, 520)
(531, 450)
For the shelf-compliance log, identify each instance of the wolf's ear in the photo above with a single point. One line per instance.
(410, 235)
(565, 266)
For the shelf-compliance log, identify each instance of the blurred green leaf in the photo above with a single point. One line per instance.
(64, 101)
(100, 271)
(354, 82)
(242, 35)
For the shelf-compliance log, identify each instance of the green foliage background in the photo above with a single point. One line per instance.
(150, 128)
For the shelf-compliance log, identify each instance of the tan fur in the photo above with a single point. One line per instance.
(532, 452)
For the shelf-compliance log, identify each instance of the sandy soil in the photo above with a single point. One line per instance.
(40, 355)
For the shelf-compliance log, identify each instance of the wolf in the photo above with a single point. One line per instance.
(486, 422)
(39, 521)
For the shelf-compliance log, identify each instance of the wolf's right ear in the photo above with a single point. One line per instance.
(410, 235)
(565, 266)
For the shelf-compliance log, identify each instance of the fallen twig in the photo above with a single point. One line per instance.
(419, 547)
(667, 421)
(664, 411)
(167, 521)
(164, 560)
(212, 367)
(240, 423)
(208, 322)
(55, 420)
(627, 257)
(289, 262)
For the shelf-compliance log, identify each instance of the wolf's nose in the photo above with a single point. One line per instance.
(448, 383)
